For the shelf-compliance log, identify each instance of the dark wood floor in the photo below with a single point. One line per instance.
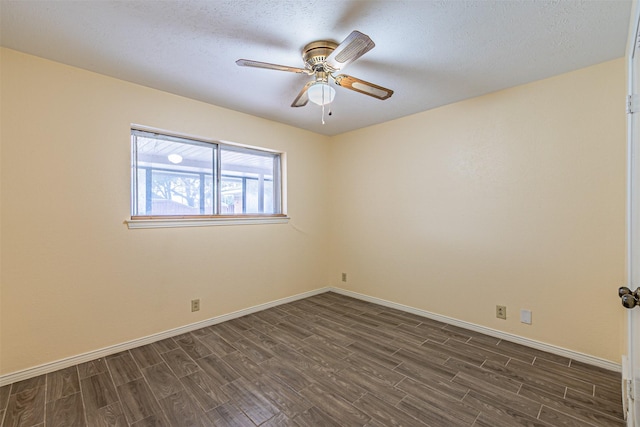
(328, 360)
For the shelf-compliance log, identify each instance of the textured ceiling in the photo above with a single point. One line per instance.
(431, 53)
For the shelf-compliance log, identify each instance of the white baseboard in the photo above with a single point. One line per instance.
(580, 357)
(103, 352)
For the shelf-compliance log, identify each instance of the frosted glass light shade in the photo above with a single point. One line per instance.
(316, 91)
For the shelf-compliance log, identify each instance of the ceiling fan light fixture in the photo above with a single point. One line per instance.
(321, 93)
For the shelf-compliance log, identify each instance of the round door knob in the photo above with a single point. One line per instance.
(629, 301)
(623, 291)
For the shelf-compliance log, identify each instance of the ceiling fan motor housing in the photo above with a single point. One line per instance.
(315, 53)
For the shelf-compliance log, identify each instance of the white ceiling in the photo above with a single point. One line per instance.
(431, 53)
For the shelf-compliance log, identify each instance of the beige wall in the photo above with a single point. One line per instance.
(74, 278)
(515, 198)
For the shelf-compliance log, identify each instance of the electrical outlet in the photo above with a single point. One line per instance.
(501, 312)
(344, 277)
(195, 305)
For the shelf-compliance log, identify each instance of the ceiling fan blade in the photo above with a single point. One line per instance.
(363, 87)
(268, 66)
(351, 48)
(302, 98)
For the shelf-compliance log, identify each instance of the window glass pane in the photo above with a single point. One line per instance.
(252, 174)
(174, 176)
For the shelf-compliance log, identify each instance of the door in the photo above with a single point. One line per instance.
(631, 366)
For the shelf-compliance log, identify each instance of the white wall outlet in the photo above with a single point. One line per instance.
(195, 305)
(525, 316)
(501, 312)
(344, 277)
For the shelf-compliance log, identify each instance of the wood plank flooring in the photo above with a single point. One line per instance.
(328, 360)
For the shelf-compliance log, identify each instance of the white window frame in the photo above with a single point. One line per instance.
(171, 221)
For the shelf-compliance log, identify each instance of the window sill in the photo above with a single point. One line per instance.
(202, 222)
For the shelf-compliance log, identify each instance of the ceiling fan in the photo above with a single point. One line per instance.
(322, 59)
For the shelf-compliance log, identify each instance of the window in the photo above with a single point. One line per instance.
(175, 177)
